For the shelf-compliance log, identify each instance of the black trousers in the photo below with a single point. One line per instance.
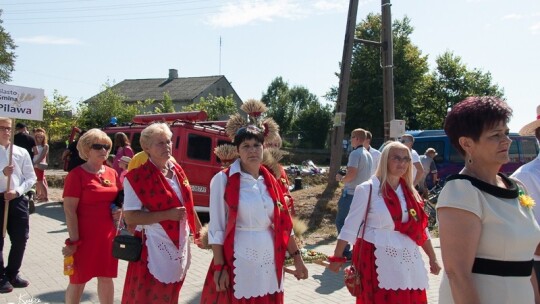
(17, 229)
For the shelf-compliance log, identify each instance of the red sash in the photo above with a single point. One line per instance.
(282, 231)
(414, 228)
(156, 194)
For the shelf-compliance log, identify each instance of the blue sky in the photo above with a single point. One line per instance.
(77, 46)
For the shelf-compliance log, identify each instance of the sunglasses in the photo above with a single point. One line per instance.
(100, 146)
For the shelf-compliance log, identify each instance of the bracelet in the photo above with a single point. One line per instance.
(68, 242)
(297, 252)
(333, 259)
(220, 267)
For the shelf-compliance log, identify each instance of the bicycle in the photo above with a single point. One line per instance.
(429, 204)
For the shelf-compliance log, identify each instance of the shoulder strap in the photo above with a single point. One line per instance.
(364, 222)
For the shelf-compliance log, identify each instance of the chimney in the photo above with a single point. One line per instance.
(173, 73)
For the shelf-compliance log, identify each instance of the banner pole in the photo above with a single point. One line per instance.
(6, 202)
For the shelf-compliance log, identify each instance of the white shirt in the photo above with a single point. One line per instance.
(23, 177)
(375, 155)
(529, 175)
(415, 159)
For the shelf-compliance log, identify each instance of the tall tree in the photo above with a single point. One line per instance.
(7, 54)
(217, 107)
(98, 112)
(313, 125)
(451, 82)
(167, 106)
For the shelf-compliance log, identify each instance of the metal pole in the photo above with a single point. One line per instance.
(336, 151)
(388, 67)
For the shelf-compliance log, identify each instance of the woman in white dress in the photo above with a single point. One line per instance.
(396, 226)
(487, 229)
(250, 230)
(41, 151)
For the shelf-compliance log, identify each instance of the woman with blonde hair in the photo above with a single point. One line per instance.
(41, 152)
(89, 190)
(388, 256)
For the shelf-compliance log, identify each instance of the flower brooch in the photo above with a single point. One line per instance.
(525, 200)
(412, 212)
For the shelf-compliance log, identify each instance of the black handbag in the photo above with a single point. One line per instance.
(127, 247)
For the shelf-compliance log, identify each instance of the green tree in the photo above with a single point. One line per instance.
(167, 106)
(450, 83)
(313, 124)
(285, 104)
(57, 117)
(98, 112)
(217, 107)
(7, 54)
(365, 100)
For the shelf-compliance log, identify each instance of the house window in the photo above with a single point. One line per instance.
(199, 147)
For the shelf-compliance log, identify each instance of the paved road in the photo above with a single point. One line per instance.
(43, 267)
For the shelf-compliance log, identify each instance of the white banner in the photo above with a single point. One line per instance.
(21, 102)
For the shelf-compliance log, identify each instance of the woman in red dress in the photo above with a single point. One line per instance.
(388, 256)
(88, 192)
(158, 198)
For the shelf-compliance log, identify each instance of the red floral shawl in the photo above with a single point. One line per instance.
(282, 229)
(156, 194)
(414, 228)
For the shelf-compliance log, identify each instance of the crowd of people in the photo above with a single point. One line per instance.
(487, 227)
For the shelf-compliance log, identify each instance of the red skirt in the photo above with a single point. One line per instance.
(372, 294)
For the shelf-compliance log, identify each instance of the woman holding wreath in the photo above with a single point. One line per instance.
(158, 199)
(250, 228)
(389, 260)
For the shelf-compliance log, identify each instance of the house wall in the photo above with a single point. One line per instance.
(221, 88)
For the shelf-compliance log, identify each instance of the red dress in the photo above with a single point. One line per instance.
(93, 257)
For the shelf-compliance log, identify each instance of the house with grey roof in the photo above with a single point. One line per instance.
(182, 90)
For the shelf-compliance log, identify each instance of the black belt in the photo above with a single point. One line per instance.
(503, 268)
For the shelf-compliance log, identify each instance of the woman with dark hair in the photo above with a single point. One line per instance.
(387, 251)
(487, 228)
(121, 148)
(250, 229)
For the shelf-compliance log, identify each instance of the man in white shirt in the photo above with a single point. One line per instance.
(21, 173)
(529, 175)
(418, 170)
(375, 154)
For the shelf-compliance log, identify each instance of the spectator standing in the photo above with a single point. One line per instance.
(418, 170)
(375, 154)
(89, 190)
(487, 228)
(428, 163)
(72, 154)
(41, 152)
(358, 171)
(529, 175)
(121, 148)
(23, 138)
(21, 173)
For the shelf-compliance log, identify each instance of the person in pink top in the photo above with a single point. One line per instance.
(121, 148)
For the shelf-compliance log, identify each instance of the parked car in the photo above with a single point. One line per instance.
(522, 150)
(194, 139)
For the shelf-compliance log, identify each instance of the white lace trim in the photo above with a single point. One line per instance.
(254, 264)
(399, 262)
(167, 263)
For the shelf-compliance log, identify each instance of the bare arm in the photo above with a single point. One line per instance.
(221, 278)
(301, 271)
(338, 253)
(459, 233)
(351, 175)
(419, 173)
(434, 266)
(138, 217)
(72, 222)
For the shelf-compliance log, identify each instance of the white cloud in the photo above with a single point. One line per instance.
(535, 28)
(247, 12)
(49, 40)
(512, 17)
(328, 5)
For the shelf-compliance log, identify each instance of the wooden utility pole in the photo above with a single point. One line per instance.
(388, 67)
(336, 151)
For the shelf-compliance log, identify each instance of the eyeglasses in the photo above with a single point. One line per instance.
(100, 146)
(5, 129)
(398, 159)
